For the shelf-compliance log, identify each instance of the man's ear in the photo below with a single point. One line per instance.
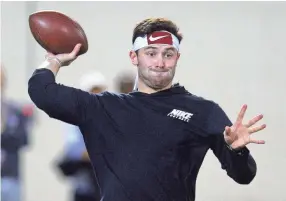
(178, 57)
(133, 57)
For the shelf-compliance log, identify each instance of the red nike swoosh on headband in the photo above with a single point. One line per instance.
(151, 38)
(160, 37)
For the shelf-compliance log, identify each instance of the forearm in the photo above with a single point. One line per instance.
(42, 88)
(58, 101)
(240, 166)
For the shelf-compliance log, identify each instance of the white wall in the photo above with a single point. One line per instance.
(233, 53)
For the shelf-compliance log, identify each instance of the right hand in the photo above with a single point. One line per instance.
(65, 59)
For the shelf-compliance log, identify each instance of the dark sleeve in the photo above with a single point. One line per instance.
(64, 103)
(240, 166)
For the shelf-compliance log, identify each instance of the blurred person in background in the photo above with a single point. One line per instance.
(16, 119)
(124, 82)
(75, 164)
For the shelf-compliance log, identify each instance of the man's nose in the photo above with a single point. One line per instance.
(160, 62)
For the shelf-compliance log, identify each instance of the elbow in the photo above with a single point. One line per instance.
(247, 176)
(37, 93)
(245, 179)
(37, 96)
(37, 87)
(42, 100)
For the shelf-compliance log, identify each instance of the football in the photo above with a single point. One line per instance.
(56, 32)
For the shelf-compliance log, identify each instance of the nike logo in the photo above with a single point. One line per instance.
(182, 115)
(151, 38)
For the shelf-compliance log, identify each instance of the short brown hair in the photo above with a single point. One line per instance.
(150, 25)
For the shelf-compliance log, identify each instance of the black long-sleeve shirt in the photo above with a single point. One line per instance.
(146, 147)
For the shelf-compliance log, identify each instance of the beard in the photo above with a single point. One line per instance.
(156, 78)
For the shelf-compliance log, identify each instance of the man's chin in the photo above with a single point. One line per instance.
(159, 85)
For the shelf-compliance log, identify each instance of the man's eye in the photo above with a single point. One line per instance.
(151, 54)
(169, 54)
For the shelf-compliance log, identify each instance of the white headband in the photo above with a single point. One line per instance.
(157, 37)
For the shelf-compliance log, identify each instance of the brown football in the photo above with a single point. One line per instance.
(56, 32)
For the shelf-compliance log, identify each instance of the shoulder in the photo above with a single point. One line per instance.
(208, 114)
(215, 118)
(200, 101)
(204, 106)
(113, 95)
(110, 100)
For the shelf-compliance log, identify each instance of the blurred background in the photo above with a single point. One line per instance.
(232, 53)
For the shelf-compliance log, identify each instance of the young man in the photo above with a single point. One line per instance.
(150, 143)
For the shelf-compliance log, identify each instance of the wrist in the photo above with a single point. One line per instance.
(54, 61)
(239, 151)
(51, 64)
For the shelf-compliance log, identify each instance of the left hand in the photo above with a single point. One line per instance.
(239, 135)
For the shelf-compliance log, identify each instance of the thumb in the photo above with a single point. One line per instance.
(75, 51)
(227, 130)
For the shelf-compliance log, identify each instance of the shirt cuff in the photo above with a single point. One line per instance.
(240, 152)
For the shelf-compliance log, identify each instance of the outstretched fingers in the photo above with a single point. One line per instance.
(254, 120)
(241, 114)
(256, 129)
(256, 141)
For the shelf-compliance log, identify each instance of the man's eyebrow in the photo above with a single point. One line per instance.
(150, 47)
(156, 48)
(170, 48)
